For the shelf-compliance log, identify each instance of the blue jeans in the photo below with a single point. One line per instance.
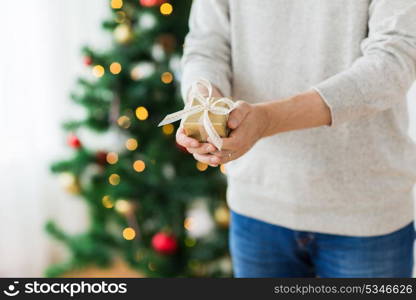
(260, 249)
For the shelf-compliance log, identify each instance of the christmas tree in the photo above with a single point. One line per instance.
(150, 202)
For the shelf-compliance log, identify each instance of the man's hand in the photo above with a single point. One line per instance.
(197, 149)
(247, 122)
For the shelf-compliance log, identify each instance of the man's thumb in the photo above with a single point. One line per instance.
(238, 115)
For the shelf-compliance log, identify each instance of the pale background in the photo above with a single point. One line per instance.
(40, 60)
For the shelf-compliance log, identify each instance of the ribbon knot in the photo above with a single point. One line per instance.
(206, 104)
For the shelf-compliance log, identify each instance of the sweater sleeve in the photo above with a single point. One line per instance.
(381, 77)
(207, 46)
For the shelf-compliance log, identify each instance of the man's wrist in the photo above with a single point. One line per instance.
(270, 123)
(307, 110)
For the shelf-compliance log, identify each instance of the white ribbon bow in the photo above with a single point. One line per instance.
(206, 104)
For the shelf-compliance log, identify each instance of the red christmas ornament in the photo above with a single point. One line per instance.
(73, 141)
(164, 243)
(101, 158)
(150, 3)
(88, 60)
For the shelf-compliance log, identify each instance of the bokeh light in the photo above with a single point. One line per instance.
(120, 17)
(116, 4)
(123, 206)
(166, 77)
(168, 129)
(115, 68)
(106, 201)
(129, 233)
(142, 113)
(112, 158)
(98, 71)
(124, 122)
(114, 179)
(188, 223)
(131, 144)
(222, 169)
(139, 166)
(201, 166)
(166, 9)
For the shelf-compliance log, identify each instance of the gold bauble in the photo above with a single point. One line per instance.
(70, 183)
(73, 189)
(222, 216)
(124, 207)
(123, 33)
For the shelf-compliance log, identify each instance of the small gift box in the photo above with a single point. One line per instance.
(193, 125)
(203, 116)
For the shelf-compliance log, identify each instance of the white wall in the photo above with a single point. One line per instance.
(39, 61)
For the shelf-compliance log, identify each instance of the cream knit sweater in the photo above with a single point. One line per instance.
(354, 177)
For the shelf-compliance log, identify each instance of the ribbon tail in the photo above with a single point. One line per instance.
(170, 119)
(215, 138)
(180, 115)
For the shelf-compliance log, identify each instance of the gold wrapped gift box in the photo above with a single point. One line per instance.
(194, 127)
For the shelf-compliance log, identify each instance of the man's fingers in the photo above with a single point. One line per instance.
(184, 140)
(207, 159)
(232, 142)
(223, 154)
(238, 114)
(204, 148)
